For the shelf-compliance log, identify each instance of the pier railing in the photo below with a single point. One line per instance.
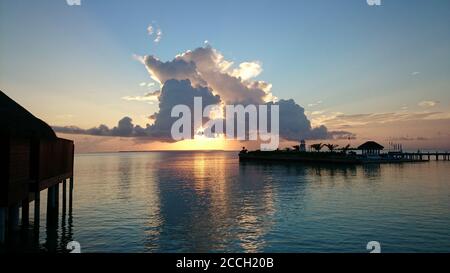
(14, 169)
(421, 155)
(51, 161)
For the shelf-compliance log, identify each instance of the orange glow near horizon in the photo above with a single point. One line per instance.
(92, 144)
(201, 143)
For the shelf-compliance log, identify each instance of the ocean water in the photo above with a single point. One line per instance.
(209, 202)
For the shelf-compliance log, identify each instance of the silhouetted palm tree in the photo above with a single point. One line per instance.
(317, 147)
(331, 147)
(346, 148)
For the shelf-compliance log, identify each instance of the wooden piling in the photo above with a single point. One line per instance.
(71, 183)
(51, 202)
(13, 217)
(57, 197)
(25, 212)
(52, 207)
(70, 192)
(64, 197)
(37, 209)
(2, 225)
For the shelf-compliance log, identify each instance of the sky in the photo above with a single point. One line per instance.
(379, 72)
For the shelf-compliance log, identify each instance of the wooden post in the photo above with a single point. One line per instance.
(57, 196)
(64, 197)
(71, 183)
(70, 192)
(37, 209)
(51, 202)
(2, 225)
(25, 212)
(52, 206)
(13, 217)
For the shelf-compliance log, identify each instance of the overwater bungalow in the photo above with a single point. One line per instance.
(32, 159)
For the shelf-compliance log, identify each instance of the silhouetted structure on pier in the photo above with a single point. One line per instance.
(370, 148)
(32, 159)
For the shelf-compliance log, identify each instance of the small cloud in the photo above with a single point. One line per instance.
(158, 36)
(315, 104)
(150, 30)
(145, 84)
(415, 73)
(428, 103)
(317, 113)
(407, 138)
(155, 31)
(150, 97)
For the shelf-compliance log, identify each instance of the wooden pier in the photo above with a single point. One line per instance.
(371, 153)
(422, 156)
(32, 160)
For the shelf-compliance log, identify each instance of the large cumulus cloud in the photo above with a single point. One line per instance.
(207, 67)
(204, 72)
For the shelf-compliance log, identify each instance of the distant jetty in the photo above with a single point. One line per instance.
(369, 152)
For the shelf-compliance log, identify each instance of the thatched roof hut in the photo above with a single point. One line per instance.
(370, 148)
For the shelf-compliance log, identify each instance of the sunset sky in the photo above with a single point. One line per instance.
(378, 72)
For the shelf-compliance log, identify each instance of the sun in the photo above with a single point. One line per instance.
(201, 142)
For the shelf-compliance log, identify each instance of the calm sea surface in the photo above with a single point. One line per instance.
(209, 202)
